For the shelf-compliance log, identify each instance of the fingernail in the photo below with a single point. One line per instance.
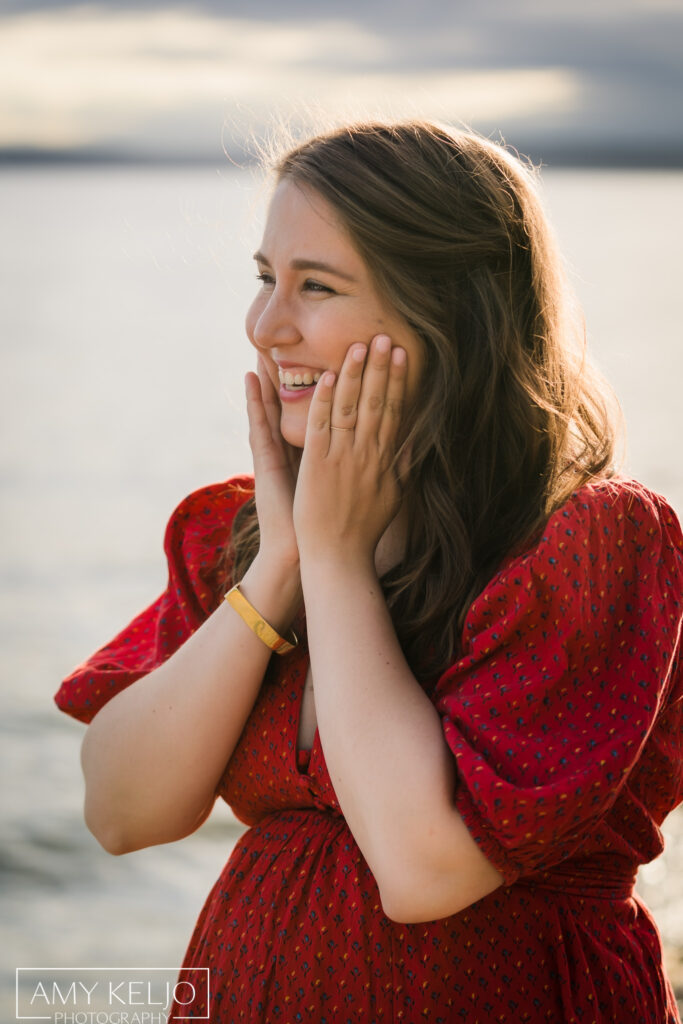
(383, 343)
(359, 353)
(398, 356)
(328, 379)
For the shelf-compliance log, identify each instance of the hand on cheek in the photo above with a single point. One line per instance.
(274, 469)
(347, 492)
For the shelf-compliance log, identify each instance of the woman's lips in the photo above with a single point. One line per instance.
(295, 394)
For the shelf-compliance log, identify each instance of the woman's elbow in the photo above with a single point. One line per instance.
(115, 847)
(420, 903)
(110, 840)
(413, 904)
(106, 831)
(118, 842)
(415, 896)
(115, 838)
(397, 909)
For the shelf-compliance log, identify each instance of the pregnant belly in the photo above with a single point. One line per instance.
(293, 930)
(295, 915)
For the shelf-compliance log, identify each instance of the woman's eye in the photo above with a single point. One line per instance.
(268, 281)
(316, 286)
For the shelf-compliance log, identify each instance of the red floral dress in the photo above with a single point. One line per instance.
(564, 714)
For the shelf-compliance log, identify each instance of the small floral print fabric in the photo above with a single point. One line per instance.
(564, 713)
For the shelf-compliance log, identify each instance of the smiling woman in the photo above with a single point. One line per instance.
(444, 688)
(315, 318)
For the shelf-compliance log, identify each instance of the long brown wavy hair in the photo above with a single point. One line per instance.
(510, 418)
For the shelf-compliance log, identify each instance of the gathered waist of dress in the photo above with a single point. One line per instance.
(585, 880)
(279, 823)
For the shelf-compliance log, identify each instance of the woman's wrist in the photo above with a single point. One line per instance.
(278, 543)
(272, 584)
(335, 564)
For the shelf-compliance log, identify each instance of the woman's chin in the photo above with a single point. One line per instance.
(293, 433)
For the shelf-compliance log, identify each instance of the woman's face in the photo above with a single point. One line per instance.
(316, 299)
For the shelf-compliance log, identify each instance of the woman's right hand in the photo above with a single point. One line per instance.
(136, 795)
(275, 469)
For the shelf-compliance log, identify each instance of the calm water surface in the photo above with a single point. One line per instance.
(122, 302)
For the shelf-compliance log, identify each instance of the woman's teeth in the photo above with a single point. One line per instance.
(298, 380)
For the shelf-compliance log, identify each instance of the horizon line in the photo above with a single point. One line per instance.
(611, 155)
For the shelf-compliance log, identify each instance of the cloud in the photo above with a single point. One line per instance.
(159, 77)
(103, 76)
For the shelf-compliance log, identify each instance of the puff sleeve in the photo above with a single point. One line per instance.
(569, 681)
(196, 534)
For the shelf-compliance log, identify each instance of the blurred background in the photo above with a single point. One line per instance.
(129, 208)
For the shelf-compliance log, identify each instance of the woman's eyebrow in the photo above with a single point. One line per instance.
(306, 264)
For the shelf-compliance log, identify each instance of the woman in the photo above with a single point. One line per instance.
(454, 773)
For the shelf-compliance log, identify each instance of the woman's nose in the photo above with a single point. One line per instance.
(275, 324)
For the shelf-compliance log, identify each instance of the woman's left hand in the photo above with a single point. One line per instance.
(348, 490)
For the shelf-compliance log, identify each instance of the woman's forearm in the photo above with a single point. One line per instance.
(153, 755)
(385, 751)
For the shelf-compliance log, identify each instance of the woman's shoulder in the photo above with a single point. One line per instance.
(613, 530)
(609, 521)
(618, 499)
(215, 498)
(612, 548)
(212, 507)
(199, 529)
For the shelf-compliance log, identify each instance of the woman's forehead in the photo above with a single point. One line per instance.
(298, 215)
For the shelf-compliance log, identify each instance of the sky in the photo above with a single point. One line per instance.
(187, 80)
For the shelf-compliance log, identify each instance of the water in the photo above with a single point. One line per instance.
(123, 352)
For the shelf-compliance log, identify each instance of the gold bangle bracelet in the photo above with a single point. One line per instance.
(258, 625)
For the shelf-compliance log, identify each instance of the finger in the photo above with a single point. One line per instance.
(267, 447)
(260, 434)
(347, 391)
(270, 397)
(252, 386)
(317, 441)
(394, 398)
(374, 389)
